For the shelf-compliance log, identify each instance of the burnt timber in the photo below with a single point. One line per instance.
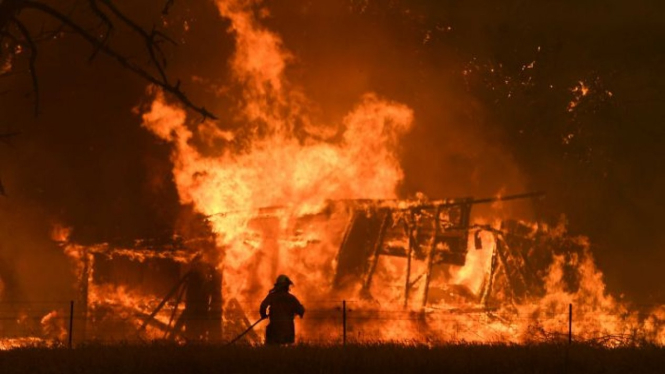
(434, 232)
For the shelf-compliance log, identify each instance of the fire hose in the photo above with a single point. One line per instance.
(246, 331)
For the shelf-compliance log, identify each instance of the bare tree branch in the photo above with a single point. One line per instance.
(33, 58)
(167, 6)
(152, 39)
(48, 35)
(106, 21)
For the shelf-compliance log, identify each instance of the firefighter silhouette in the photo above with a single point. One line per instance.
(281, 307)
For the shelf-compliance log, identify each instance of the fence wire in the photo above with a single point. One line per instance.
(51, 323)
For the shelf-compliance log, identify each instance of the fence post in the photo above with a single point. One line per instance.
(343, 322)
(570, 323)
(71, 322)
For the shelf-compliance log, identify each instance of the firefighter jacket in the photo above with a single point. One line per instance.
(281, 307)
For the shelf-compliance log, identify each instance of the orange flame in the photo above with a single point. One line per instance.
(277, 168)
(60, 233)
(256, 191)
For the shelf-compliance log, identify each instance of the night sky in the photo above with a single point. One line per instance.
(491, 86)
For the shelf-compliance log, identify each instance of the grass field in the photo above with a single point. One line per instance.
(199, 359)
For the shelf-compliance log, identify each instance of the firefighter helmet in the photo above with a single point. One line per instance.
(283, 280)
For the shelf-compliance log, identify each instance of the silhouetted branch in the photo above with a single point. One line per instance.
(106, 21)
(48, 35)
(152, 40)
(33, 58)
(167, 6)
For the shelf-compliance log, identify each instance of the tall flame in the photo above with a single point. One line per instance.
(286, 160)
(281, 158)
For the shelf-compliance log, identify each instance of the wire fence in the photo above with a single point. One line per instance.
(67, 323)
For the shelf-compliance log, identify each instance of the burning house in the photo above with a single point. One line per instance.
(410, 269)
(281, 189)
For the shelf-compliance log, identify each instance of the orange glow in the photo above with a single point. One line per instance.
(298, 174)
(256, 198)
(579, 91)
(60, 233)
(280, 195)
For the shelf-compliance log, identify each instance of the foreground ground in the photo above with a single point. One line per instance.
(128, 359)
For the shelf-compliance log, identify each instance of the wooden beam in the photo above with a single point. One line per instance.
(430, 254)
(166, 298)
(408, 228)
(375, 254)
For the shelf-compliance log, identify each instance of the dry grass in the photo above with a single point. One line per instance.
(159, 358)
